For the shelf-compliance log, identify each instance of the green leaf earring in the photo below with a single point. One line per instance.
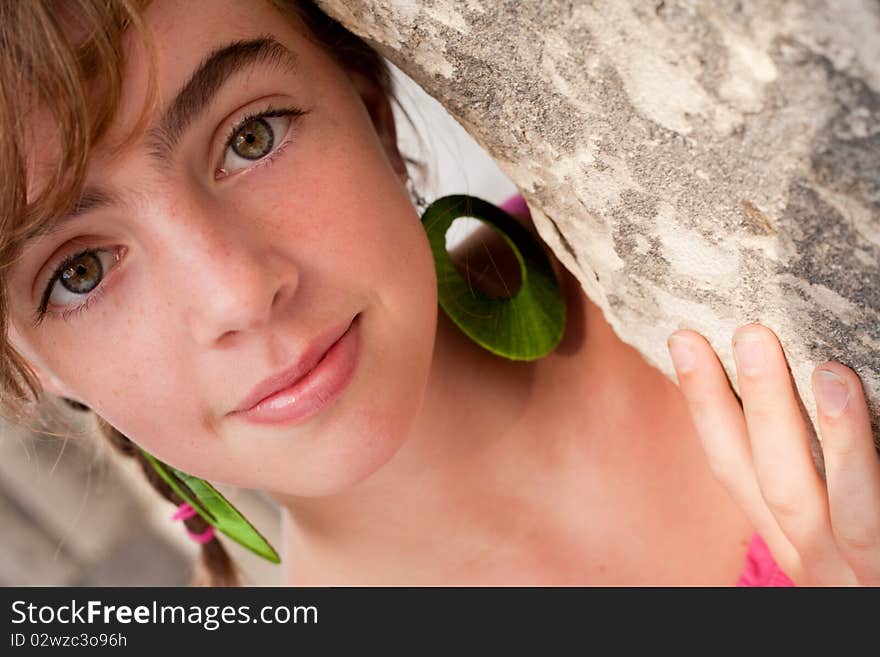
(215, 509)
(527, 325)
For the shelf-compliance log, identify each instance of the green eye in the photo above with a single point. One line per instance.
(82, 274)
(257, 137)
(253, 140)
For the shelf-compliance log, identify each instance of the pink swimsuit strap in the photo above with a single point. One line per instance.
(761, 569)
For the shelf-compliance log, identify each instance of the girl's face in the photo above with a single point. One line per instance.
(214, 280)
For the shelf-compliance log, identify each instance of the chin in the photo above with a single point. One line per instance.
(364, 455)
(371, 425)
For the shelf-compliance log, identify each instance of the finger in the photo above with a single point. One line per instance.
(718, 418)
(784, 466)
(852, 468)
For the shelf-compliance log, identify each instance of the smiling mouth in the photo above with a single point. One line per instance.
(318, 388)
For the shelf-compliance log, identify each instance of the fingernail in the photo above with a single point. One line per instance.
(832, 393)
(681, 353)
(749, 352)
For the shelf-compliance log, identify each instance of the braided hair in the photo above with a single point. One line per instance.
(215, 567)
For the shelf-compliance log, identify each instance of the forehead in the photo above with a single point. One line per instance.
(185, 29)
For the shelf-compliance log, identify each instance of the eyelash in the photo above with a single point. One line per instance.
(270, 111)
(92, 298)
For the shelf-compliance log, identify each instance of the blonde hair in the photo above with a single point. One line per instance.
(67, 55)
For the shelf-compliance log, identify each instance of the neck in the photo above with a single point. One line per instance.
(479, 465)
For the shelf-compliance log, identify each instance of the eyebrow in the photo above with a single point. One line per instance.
(192, 100)
(206, 82)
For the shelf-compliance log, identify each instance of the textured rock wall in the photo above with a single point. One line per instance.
(696, 164)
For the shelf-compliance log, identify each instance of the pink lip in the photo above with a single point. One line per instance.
(320, 375)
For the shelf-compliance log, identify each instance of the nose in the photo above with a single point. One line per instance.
(233, 277)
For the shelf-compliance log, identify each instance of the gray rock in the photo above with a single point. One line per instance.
(696, 164)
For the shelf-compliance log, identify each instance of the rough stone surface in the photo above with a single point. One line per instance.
(696, 164)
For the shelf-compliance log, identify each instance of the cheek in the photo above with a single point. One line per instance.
(153, 401)
(372, 434)
(370, 239)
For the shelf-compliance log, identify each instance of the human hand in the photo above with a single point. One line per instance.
(821, 533)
